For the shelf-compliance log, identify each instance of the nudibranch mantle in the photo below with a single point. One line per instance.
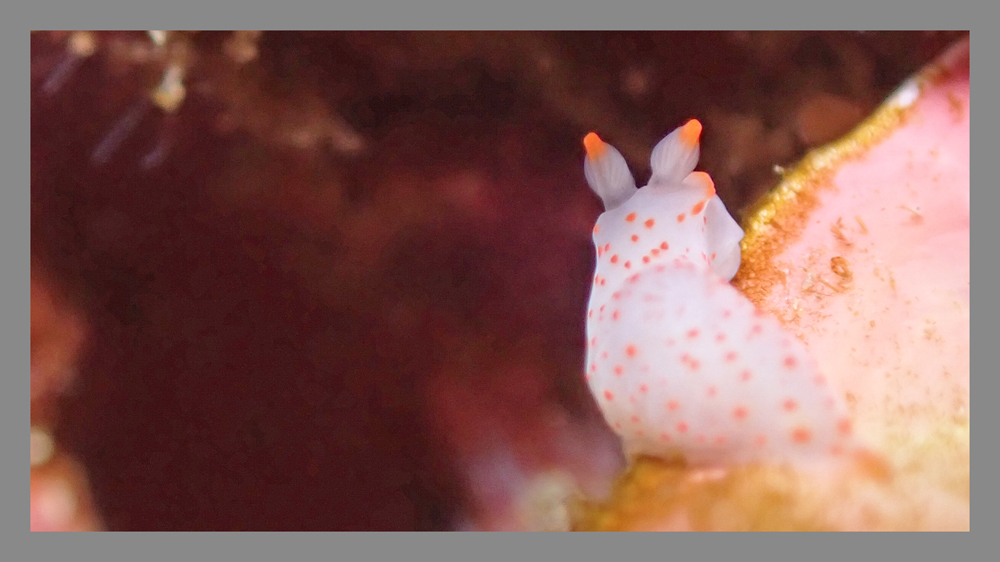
(680, 362)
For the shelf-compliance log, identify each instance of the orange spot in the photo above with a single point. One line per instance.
(731, 356)
(614, 258)
(635, 237)
(790, 362)
(649, 223)
(619, 370)
(680, 217)
(597, 228)
(631, 350)
(608, 395)
(599, 251)
(628, 264)
(790, 405)
(594, 145)
(682, 427)
(690, 132)
(844, 426)
(697, 207)
(692, 333)
(673, 405)
(664, 246)
(630, 217)
(801, 435)
(740, 412)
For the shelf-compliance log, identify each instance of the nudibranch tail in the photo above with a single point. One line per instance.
(676, 155)
(607, 172)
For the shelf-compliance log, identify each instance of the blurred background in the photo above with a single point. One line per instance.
(332, 281)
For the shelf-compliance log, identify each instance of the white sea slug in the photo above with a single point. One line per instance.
(680, 362)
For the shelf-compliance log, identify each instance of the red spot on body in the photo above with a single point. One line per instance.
(608, 395)
(630, 217)
(643, 388)
(655, 252)
(790, 362)
(682, 427)
(756, 329)
(619, 370)
(590, 313)
(790, 405)
(712, 391)
(664, 437)
(673, 405)
(720, 440)
(631, 350)
(603, 281)
(607, 247)
(844, 426)
(645, 259)
(635, 237)
(604, 355)
(692, 333)
(697, 207)
(664, 246)
(628, 264)
(597, 228)
(731, 356)
(746, 375)
(720, 337)
(615, 315)
(740, 413)
(635, 419)
(727, 313)
(760, 440)
(680, 217)
(820, 380)
(614, 258)
(670, 341)
(649, 223)
(801, 435)
(700, 438)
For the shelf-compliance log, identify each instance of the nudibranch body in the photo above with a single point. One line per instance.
(680, 362)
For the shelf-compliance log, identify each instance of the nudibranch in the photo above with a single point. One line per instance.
(680, 362)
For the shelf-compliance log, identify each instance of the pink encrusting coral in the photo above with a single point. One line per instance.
(680, 362)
